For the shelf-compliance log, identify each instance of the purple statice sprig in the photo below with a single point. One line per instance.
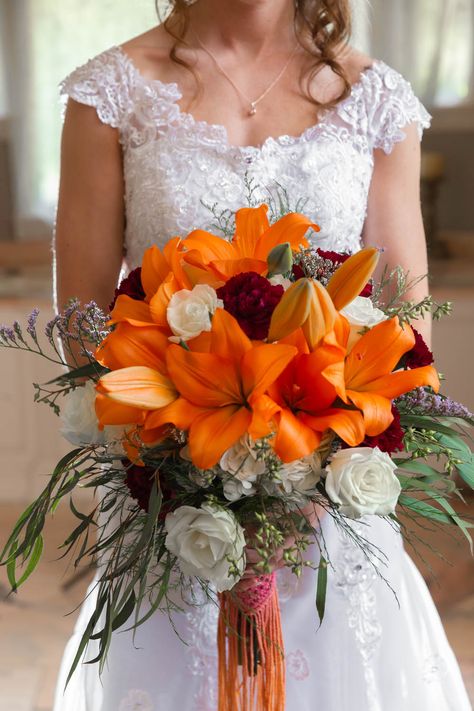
(423, 401)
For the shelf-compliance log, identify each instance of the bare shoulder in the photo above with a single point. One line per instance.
(354, 62)
(149, 52)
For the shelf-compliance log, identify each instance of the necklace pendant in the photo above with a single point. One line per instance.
(253, 109)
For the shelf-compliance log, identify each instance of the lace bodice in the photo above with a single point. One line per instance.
(176, 168)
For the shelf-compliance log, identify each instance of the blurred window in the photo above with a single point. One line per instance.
(431, 42)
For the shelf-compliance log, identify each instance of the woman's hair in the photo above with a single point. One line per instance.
(327, 22)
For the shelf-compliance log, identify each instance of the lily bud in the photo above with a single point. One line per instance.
(280, 259)
(305, 304)
(350, 278)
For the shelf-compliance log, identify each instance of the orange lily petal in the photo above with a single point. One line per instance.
(209, 246)
(348, 424)
(289, 228)
(139, 387)
(377, 353)
(402, 381)
(155, 268)
(250, 224)
(128, 345)
(350, 278)
(131, 310)
(376, 408)
(180, 413)
(264, 410)
(225, 269)
(174, 252)
(228, 339)
(205, 379)
(294, 439)
(111, 413)
(212, 433)
(262, 365)
(160, 301)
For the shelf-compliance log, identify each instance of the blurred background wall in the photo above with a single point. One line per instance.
(431, 42)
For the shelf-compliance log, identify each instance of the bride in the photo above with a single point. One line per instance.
(226, 101)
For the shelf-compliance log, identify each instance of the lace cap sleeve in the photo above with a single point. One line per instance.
(392, 106)
(101, 83)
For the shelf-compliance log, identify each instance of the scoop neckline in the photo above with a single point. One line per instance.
(221, 130)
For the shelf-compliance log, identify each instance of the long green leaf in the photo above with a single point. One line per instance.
(321, 588)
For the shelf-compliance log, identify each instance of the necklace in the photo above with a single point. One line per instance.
(252, 104)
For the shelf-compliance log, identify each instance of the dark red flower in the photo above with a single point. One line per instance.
(339, 258)
(391, 440)
(336, 257)
(140, 482)
(297, 271)
(251, 299)
(420, 355)
(131, 286)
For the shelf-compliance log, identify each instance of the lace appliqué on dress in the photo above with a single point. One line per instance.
(355, 579)
(176, 166)
(297, 665)
(137, 700)
(201, 648)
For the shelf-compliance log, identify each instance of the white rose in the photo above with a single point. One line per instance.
(189, 312)
(79, 420)
(301, 474)
(206, 542)
(241, 460)
(362, 480)
(361, 313)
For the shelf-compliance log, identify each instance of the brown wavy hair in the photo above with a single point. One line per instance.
(327, 22)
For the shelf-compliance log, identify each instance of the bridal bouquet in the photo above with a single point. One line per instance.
(238, 389)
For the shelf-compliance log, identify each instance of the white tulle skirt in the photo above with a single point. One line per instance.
(381, 646)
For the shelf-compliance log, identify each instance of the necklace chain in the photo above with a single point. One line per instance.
(252, 104)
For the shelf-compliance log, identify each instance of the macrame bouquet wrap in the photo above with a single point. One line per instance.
(250, 647)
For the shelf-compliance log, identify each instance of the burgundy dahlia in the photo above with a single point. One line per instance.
(251, 299)
(131, 286)
(420, 355)
(140, 482)
(338, 258)
(391, 440)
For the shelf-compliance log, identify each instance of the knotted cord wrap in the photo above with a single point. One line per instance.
(250, 647)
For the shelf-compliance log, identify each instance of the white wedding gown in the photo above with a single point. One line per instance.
(372, 652)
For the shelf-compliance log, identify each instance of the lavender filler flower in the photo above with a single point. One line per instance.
(422, 401)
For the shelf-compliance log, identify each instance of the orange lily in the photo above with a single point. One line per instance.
(161, 276)
(305, 398)
(351, 277)
(305, 304)
(223, 388)
(369, 382)
(253, 240)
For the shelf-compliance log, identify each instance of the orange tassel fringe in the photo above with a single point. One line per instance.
(250, 647)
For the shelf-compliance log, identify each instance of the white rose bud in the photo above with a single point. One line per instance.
(79, 424)
(207, 542)
(189, 312)
(301, 474)
(361, 314)
(362, 480)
